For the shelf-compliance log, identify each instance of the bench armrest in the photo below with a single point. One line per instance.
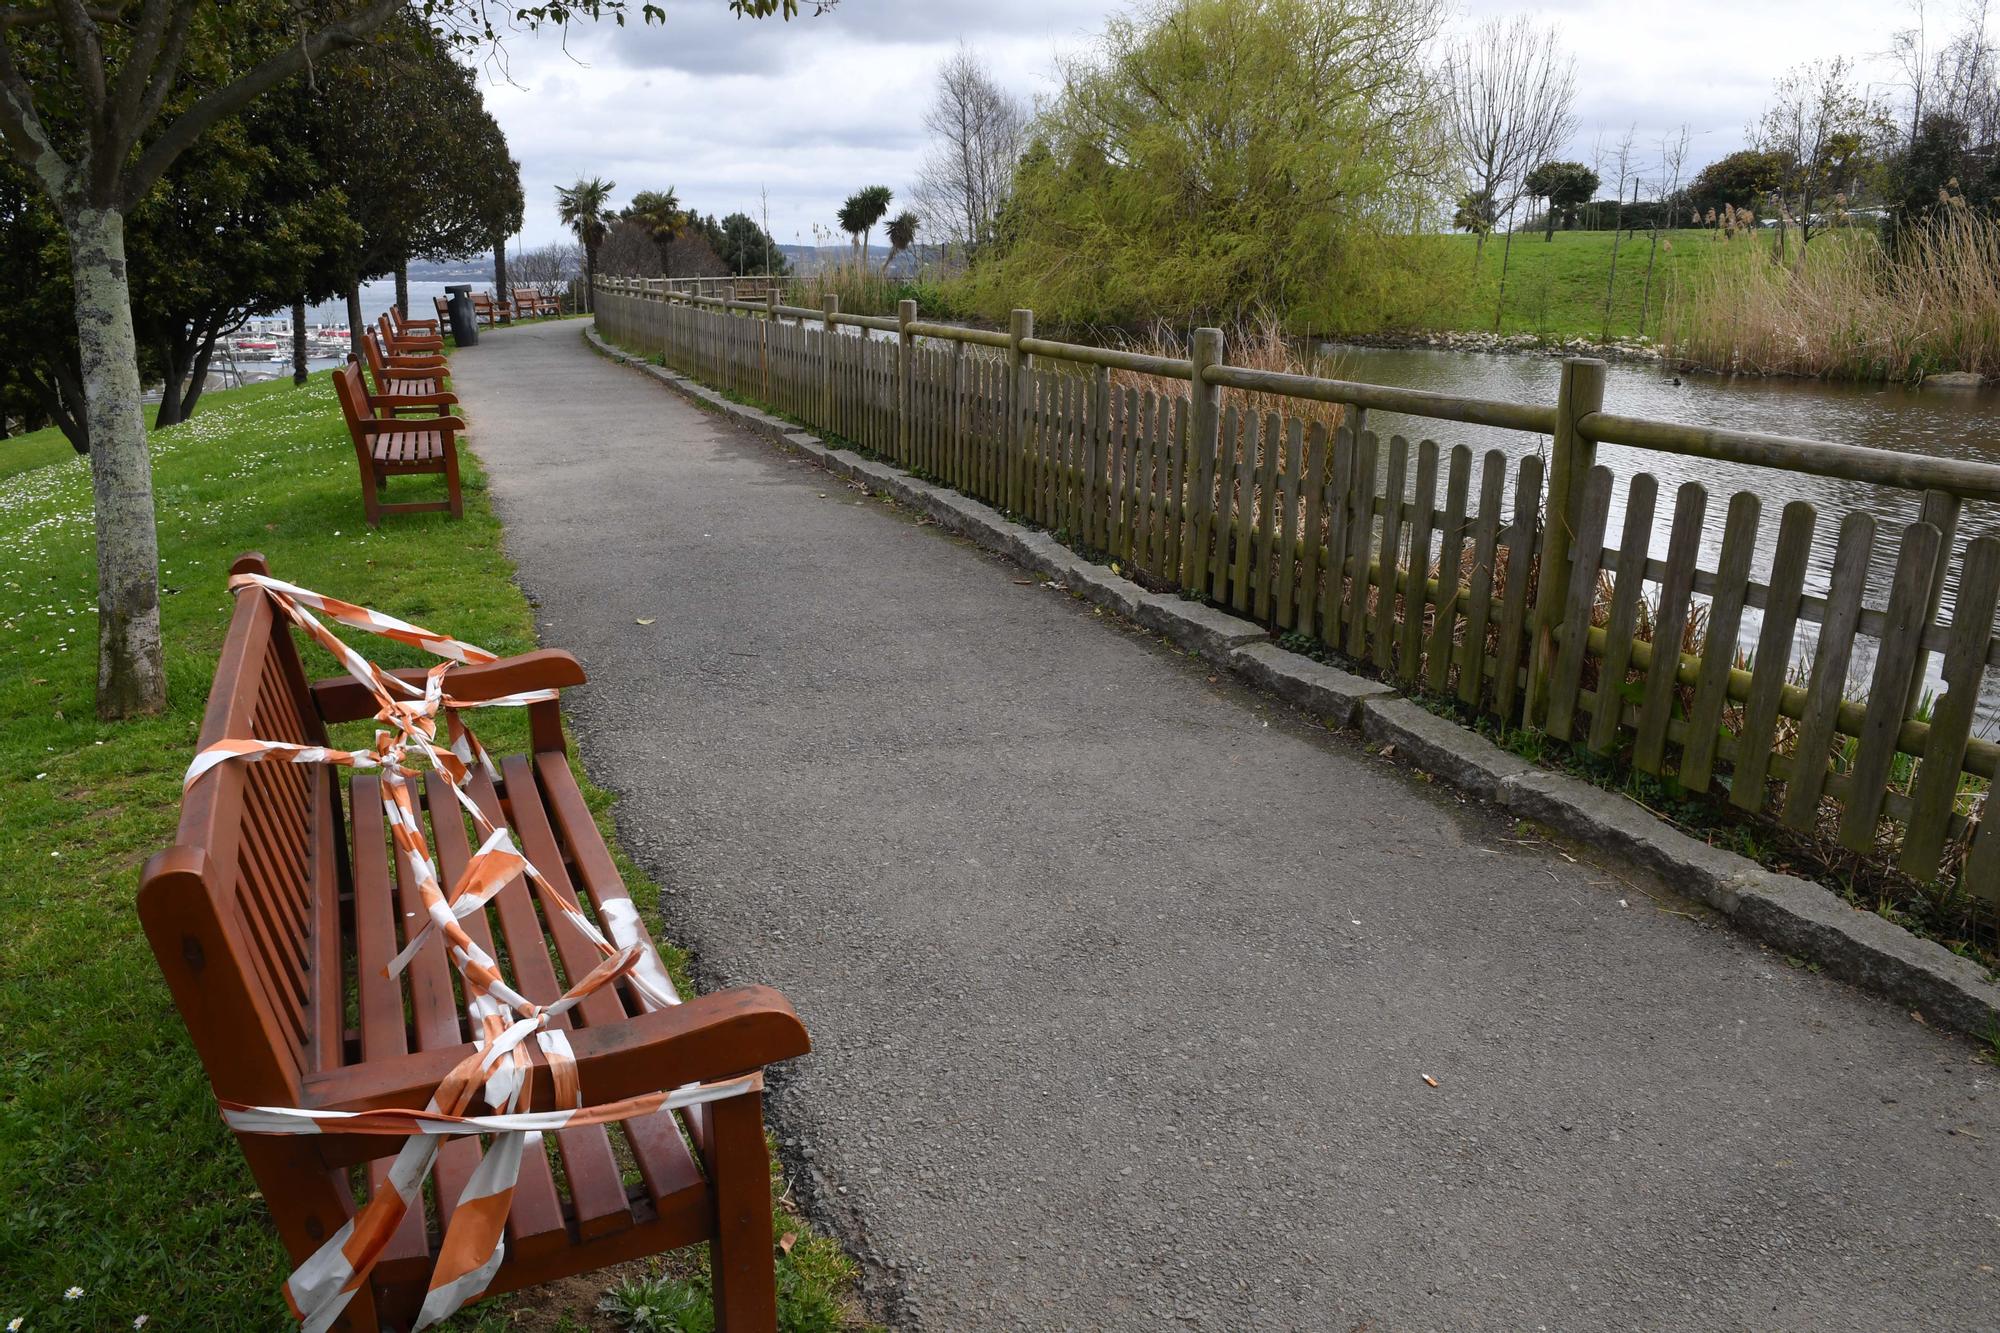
(399, 400)
(392, 426)
(427, 325)
(412, 362)
(345, 699)
(715, 1036)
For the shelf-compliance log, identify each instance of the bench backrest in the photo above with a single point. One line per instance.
(444, 312)
(244, 909)
(352, 390)
(371, 349)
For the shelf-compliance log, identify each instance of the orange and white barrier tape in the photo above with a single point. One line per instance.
(474, 1244)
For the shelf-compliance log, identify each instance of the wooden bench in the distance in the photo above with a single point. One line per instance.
(488, 311)
(393, 446)
(278, 906)
(402, 374)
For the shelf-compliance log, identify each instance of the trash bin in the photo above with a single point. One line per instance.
(464, 324)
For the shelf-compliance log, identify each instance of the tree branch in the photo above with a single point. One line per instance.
(189, 125)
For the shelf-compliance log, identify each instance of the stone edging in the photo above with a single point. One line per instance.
(1795, 916)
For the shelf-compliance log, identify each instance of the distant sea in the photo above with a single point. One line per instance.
(379, 295)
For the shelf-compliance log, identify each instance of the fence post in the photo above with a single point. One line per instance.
(770, 327)
(906, 315)
(958, 409)
(1570, 460)
(831, 304)
(1021, 326)
(1204, 434)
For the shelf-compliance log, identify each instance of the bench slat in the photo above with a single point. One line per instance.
(595, 1192)
(329, 1009)
(663, 1156)
(381, 1001)
(535, 1223)
(653, 1138)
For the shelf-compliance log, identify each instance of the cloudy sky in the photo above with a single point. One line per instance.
(785, 119)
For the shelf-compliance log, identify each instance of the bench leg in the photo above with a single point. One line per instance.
(371, 503)
(740, 1257)
(451, 478)
(308, 1203)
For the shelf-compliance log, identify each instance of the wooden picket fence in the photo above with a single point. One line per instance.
(1505, 593)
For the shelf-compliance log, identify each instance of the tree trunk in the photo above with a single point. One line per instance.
(198, 375)
(500, 288)
(1549, 224)
(590, 279)
(131, 676)
(403, 288)
(354, 329)
(61, 399)
(1646, 293)
(173, 360)
(1506, 253)
(299, 341)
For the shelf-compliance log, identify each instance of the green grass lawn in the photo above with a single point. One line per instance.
(1556, 288)
(118, 1176)
(38, 448)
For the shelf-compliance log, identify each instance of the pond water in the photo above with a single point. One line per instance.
(1946, 423)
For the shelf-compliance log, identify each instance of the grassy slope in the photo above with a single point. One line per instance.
(24, 453)
(118, 1175)
(1556, 288)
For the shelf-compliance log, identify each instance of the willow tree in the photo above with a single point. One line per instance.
(1209, 156)
(94, 104)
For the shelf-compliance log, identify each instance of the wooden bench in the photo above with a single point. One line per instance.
(443, 313)
(406, 327)
(489, 311)
(397, 393)
(406, 344)
(387, 447)
(404, 374)
(275, 911)
(533, 304)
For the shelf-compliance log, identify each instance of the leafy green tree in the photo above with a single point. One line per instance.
(862, 210)
(1743, 179)
(96, 103)
(1214, 155)
(1564, 187)
(747, 247)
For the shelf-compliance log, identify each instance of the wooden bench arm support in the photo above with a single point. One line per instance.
(710, 1037)
(428, 364)
(345, 699)
(401, 400)
(393, 426)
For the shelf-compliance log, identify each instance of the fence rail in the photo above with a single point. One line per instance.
(1508, 594)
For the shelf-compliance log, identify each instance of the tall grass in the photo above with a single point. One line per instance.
(1259, 343)
(862, 287)
(1846, 308)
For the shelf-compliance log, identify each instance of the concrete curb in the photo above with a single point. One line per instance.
(1795, 916)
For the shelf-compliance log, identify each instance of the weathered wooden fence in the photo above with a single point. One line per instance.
(1510, 596)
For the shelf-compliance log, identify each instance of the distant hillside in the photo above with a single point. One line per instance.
(807, 258)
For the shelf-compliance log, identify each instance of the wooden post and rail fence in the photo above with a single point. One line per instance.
(1511, 598)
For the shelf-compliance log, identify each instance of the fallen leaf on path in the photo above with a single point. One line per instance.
(645, 620)
(786, 1241)
(1023, 582)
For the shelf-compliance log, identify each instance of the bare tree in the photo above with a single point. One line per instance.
(550, 269)
(1821, 124)
(1673, 161)
(976, 131)
(1510, 94)
(1623, 159)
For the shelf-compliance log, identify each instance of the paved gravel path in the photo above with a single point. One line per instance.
(1123, 981)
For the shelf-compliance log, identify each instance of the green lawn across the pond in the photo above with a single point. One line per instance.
(118, 1177)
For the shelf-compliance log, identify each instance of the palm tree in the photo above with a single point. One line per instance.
(874, 201)
(659, 213)
(582, 208)
(853, 219)
(902, 235)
